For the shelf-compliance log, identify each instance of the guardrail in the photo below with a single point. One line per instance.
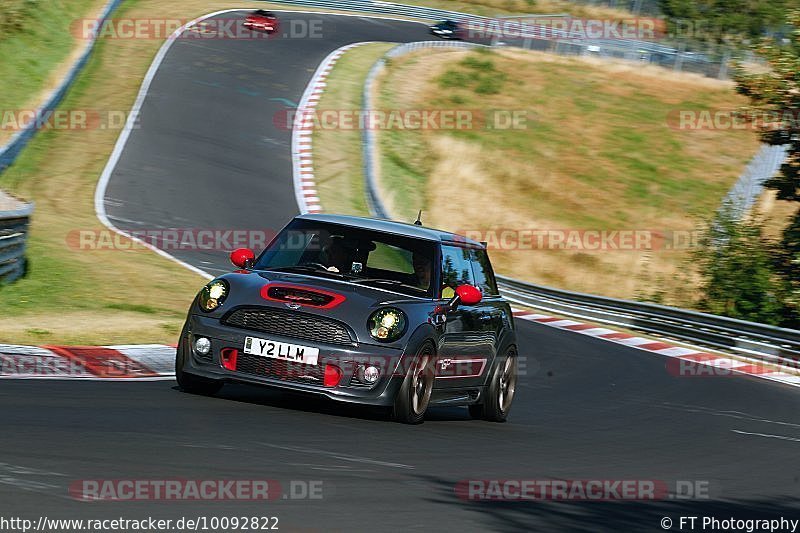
(537, 36)
(13, 236)
(767, 343)
(10, 151)
(14, 224)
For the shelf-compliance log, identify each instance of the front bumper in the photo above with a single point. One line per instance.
(294, 376)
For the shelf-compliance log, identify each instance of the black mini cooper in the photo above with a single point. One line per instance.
(358, 310)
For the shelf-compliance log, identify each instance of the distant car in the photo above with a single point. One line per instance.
(262, 20)
(358, 310)
(448, 29)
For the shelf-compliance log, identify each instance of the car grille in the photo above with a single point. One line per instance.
(280, 369)
(290, 324)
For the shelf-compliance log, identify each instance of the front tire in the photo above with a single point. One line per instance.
(415, 393)
(189, 382)
(500, 393)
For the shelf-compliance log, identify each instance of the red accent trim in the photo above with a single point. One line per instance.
(240, 256)
(333, 374)
(469, 294)
(228, 357)
(337, 298)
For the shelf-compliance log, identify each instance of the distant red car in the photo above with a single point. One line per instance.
(262, 20)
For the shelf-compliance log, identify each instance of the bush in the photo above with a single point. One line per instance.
(738, 268)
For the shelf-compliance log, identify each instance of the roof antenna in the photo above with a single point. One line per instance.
(418, 222)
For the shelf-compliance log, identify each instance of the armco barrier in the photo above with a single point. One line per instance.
(10, 151)
(539, 36)
(368, 136)
(14, 224)
(13, 236)
(767, 343)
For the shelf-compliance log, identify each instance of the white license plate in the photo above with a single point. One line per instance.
(281, 350)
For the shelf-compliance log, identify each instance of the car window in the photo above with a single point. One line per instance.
(482, 271)
(388, 257)
(456, 269)
(385, 260)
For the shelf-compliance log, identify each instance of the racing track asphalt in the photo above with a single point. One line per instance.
(206, 155)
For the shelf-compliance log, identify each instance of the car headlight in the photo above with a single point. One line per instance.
(387, 325)
(213, 295)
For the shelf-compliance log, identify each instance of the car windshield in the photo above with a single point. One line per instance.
(394, 262)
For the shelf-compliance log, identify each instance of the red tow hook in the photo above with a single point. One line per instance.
(333, 374)
(228, 358)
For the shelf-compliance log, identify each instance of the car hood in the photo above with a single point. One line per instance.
(353, 303)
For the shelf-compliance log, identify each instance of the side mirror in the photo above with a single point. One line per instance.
(243, 257)
(465, 294)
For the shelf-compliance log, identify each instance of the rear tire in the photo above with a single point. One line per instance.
(414, 395)
(189, 382)
(500, 392)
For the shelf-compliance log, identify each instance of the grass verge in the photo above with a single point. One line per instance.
(337, 152)
(597, 153)
(93, 297)
(38, 45)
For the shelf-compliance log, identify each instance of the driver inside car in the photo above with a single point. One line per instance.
(336, 256)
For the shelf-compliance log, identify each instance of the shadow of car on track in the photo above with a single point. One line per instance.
(607, 515)
(255, 395)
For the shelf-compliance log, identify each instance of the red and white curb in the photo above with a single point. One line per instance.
(125, 362)
(305, 188)
(683, 361)
(156, 361)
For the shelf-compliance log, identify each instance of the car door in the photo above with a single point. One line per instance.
(466, 345)
(494, 313)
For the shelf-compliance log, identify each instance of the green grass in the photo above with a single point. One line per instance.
(338, 161)
(35, 38)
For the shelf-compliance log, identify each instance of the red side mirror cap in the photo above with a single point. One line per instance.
(469, 294)
(243, 257)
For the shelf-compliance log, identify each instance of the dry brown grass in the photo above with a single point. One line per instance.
(599, 156)
(776, 214)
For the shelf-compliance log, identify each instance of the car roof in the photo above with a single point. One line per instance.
(390, 226)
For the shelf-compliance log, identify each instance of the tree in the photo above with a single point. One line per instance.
(723, 21)
(775, 98)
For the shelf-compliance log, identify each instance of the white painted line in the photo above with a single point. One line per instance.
(563, 323)
(676, 351)
(634, 341)
(594, 332)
